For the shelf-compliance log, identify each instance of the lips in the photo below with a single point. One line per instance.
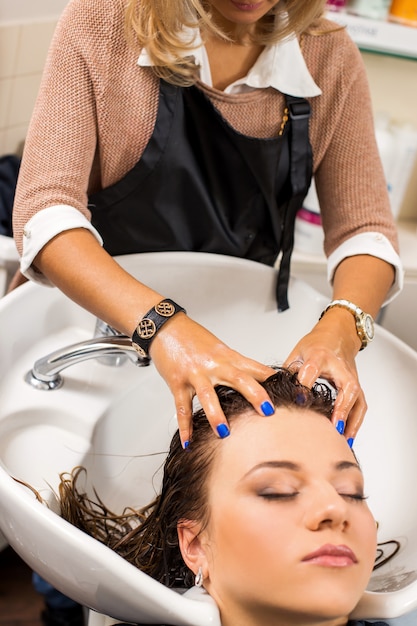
(246, 6)
(330, 555)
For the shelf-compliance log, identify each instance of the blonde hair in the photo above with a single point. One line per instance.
(158, 25)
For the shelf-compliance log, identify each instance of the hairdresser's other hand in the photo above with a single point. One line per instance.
(329, 351)
(193, 361)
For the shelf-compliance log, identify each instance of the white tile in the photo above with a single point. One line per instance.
(33, 47)
(23, 95)
(13, 139)
(9, 40)
(5, 94)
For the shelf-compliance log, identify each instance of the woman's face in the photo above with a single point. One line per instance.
(289, 536)
(235, 12)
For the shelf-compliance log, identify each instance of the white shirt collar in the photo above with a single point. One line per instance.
(281, 66)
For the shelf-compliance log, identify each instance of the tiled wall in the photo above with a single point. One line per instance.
(23, 49)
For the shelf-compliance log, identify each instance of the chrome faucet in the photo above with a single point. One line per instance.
(45, 373)
(102, 329)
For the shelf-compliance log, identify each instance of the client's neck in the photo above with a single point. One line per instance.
(274, 617)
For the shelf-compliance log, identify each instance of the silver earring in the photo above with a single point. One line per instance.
(199, 578)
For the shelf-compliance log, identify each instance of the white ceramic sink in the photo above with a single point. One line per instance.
(118, 422)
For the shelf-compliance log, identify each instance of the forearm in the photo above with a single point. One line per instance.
(365, 281)
(76, 263)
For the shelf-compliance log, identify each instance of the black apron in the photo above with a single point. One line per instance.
(202, 186)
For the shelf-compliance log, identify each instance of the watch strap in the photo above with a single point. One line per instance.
(344, 304)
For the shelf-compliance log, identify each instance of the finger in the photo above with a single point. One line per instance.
(350, 405)
(354, 417)
(211, 406)
(293, 361)
(246, 385)
(348, 394)
(184, 409)
(251, 389)
(250, 368)
(349, 415)
(308, 373)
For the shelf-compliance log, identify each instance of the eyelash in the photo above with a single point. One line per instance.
(278, 496)
(357, 497)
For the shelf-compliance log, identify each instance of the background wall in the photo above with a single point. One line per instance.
(28, 10)
(23, 48)
(393, 83)
(26, 28)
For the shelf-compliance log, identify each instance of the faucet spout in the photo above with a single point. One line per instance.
(45, 373)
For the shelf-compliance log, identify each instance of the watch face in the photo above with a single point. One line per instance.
(369, 326)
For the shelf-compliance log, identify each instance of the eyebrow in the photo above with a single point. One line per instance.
(295, 467)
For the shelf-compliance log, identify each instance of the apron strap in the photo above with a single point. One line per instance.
(301, 168)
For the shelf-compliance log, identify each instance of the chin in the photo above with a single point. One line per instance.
(334, 609)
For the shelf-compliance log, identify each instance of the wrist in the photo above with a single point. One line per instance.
(151, 323)
(363, 322)
(340, 323)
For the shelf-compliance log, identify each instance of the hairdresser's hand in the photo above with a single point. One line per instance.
(193, 361)
(329, 351)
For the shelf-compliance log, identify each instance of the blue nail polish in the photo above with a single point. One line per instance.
(340, 427)
(223, 431)
(300, 398)
(350, 442)
(267, 408)
(186, 444)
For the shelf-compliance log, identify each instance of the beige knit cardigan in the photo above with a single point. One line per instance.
(96, 110)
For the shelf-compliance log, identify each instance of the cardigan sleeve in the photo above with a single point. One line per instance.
(349, 177)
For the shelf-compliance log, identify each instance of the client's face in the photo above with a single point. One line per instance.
(289, 534)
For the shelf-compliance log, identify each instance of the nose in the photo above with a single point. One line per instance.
(326, 508)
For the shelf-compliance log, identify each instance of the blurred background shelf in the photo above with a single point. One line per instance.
(378, 35)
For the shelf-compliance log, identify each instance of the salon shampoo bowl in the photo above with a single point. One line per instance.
(118, 421)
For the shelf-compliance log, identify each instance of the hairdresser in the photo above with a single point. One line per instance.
(196, 125)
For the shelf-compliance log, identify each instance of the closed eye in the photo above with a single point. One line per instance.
(354, 496)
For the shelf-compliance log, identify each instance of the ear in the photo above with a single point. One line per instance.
(192, 545)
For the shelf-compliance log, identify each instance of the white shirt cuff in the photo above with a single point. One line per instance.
(375, 244)
(43, 227)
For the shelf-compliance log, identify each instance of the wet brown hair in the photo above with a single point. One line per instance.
(148, 538)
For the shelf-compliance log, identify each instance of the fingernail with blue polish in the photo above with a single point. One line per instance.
(340, 427)
(267, 408)
(350, 442)
(223, 431)
(300, 398)
(186, 444)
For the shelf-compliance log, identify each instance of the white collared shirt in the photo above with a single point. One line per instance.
(280, 66)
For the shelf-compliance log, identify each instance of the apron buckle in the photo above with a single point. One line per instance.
(300, 109)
